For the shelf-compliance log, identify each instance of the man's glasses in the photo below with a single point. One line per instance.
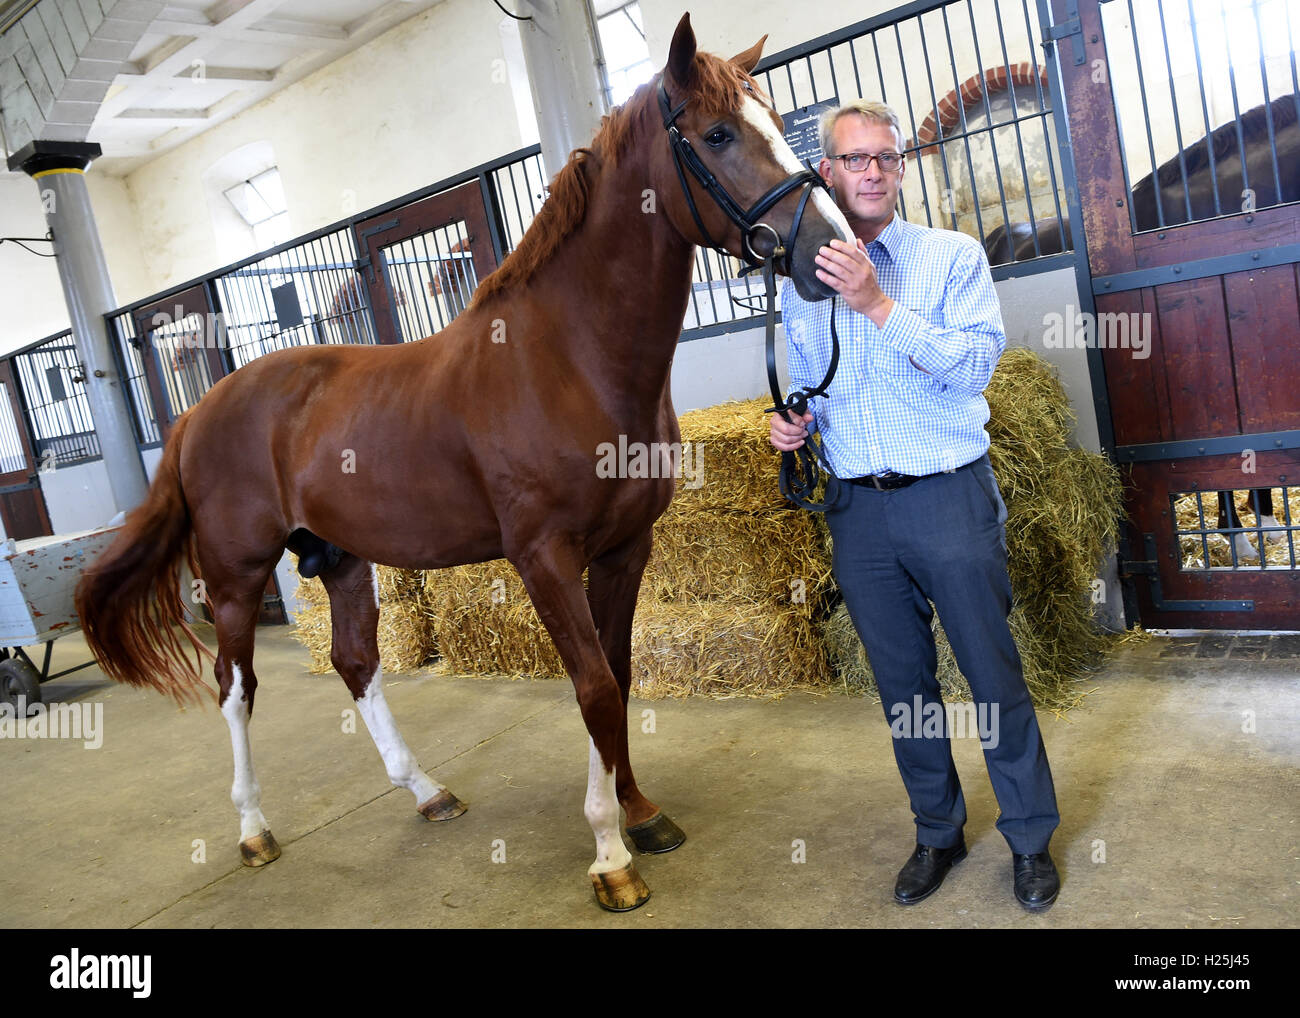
(856, 162)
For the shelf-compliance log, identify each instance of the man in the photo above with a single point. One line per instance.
(921, 519)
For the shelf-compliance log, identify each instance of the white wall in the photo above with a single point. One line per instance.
(728, 28)
(1025, 300)
(423, 101)
(31, 299)
(31, 302)
(427, 99)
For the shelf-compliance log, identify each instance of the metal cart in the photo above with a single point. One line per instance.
(37, 580)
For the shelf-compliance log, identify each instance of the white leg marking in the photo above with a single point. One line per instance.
(1245, 550)
(399, 761)
(755, 114)
(245, 793)
(374, 582)
(1276, 536)
(602, 814)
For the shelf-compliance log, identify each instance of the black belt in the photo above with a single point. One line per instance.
(887, 481)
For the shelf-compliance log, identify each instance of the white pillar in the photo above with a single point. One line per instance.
(59, 169)
(563, 59)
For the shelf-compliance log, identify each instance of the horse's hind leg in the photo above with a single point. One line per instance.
(354, 610)
(235, 604)
(612, 585)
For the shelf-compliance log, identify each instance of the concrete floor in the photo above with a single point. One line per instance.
(1198, 819)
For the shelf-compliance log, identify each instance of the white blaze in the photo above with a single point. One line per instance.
(756, 115)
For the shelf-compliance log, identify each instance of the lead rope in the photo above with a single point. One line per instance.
(803, 470)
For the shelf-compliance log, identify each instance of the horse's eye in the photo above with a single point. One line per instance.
(716, 138)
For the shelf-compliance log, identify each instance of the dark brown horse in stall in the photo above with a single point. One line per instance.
(475, 444)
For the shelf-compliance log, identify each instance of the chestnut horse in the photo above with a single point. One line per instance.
(475, 444)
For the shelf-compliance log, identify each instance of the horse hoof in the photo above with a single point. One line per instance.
(658, 834)
(443, 806)
(620, 890)
(260, 849)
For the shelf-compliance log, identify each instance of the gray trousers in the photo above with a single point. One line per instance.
(943, 539)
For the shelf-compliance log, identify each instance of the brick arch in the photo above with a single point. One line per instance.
(948, 115)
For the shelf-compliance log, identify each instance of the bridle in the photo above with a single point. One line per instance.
(800, 470)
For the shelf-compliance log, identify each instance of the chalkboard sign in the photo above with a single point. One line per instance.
(54, 381)
(801, 130)
(288, 311)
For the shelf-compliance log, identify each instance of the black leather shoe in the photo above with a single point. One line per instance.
(922, 874)
(1037, 882)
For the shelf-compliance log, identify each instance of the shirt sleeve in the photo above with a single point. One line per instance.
(800, 373)
(964, 350)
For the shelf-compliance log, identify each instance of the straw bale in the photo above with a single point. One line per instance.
(718, 613)
(404, 636)
(702, 553)
(485, 624)
(733, 465)
(724, 648)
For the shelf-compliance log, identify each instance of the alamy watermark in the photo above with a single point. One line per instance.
(75, 971)
(920, 720)
(653, 459)
(1079, 330)
(182, 330)
(84, 721)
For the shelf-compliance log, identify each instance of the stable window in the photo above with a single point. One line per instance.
(259, 200)
(622, 41)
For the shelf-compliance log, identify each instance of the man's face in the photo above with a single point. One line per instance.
(871, 194)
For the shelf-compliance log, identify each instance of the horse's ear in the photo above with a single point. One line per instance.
(681, 54)
(748, 60)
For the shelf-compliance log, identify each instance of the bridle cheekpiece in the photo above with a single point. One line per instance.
(800, 472)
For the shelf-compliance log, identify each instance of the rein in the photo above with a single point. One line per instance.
(802, 470)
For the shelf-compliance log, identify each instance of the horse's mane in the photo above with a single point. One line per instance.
(715, 90)
(1254, 127)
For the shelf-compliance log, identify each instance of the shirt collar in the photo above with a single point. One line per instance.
(891, 237)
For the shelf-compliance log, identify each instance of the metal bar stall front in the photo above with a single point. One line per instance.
(51, 383)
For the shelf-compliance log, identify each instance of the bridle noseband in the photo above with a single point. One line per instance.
(800, 471)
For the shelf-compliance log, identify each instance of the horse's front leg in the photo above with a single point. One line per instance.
(613, 582)
(552, 572)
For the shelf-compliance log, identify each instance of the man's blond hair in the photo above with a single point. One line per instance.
(878, 112)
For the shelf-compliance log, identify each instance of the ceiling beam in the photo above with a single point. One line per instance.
(139, 113)
(299, 29)
(212, 73)
(158, 54)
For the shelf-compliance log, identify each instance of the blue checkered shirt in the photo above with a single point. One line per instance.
(908, 397)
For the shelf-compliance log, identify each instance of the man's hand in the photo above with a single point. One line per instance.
(848, 271)
(786, 436)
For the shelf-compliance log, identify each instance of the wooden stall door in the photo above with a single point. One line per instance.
(1215, 403)
(180, 349)
(22, 503)
(422, 262)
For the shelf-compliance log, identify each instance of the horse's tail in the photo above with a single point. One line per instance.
(129, 599)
